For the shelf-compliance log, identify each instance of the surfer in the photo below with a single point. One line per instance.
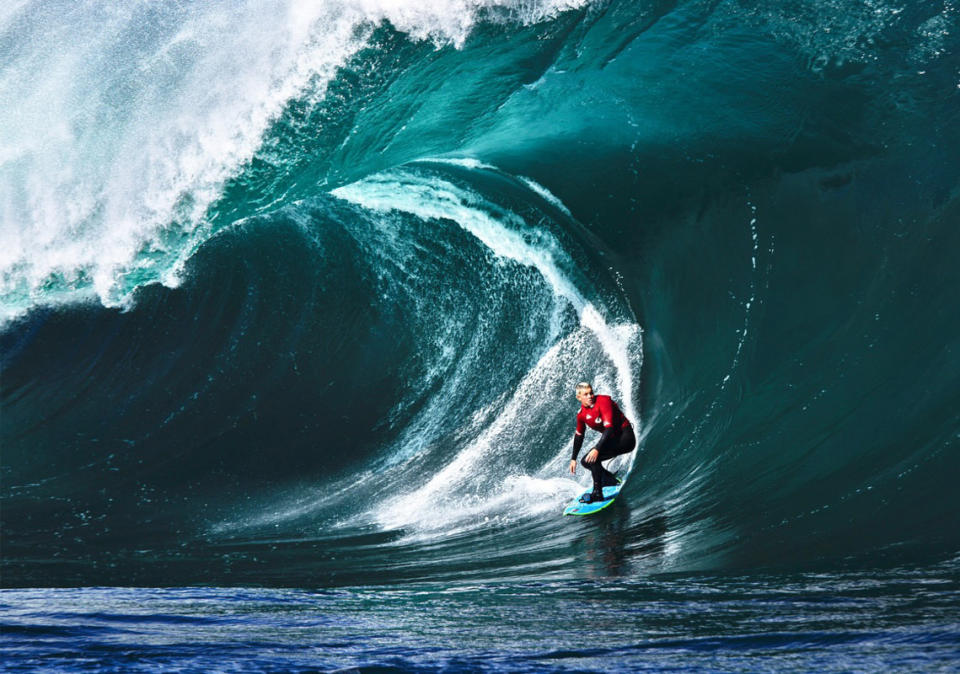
(600, 413)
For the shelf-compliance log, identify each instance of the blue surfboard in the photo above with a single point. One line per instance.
(576, 507)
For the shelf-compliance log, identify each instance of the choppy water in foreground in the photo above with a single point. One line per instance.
(893, 620)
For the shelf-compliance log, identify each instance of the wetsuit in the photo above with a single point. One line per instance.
(618, 437)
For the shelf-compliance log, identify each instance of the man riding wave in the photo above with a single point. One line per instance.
(602, 414)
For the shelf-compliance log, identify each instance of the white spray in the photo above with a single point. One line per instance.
(123, 121)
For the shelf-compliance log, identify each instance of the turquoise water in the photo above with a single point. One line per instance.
(296, 298)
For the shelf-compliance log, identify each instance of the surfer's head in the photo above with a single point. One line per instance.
(585, 393)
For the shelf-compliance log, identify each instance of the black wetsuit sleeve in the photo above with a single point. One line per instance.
(607, 432)
(577, 444)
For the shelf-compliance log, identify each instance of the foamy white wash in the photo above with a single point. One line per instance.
(123, 121)
(472, 487)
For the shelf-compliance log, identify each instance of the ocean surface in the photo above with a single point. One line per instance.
(293, 299)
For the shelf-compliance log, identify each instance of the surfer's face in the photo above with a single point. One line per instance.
(586, 397)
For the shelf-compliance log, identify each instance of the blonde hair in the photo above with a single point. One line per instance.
(582, 385)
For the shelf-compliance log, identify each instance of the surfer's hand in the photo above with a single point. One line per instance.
(591, 456)
(573, 466)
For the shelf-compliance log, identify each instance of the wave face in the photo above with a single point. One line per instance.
(301, 295)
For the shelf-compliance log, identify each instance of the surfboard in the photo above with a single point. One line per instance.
(578, 508)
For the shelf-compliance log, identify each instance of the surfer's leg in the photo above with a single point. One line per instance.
(615, 445)
(597, 471)
(623, 443)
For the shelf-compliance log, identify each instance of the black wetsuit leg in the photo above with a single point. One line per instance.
(615, 445)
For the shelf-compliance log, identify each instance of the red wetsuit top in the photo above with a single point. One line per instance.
(603, 416)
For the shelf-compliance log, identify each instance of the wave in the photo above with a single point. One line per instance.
(328, 301)
(109, 170)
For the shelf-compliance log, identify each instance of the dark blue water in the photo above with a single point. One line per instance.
(294, 300)
(903, 620)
